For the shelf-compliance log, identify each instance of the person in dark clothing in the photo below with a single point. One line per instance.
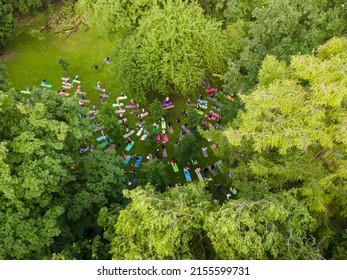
(204, 171)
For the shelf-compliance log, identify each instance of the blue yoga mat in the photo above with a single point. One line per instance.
(187, 175)
(138, 162)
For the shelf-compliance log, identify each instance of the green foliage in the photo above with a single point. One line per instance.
(170, 51)
(106, 118)
(64, 64)
(116, 16)
(292, 133)
(4, 83)
(161, 226)
(157, 111)
(276, 227)
(187, 149)
(25, 6)
(50, 196)
(156, 174)
(283, 29)
(7, 22)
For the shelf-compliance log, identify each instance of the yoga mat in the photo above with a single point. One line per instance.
(64, 93)
(158, 138)
(220, 126)
(128, 134)
(218, 164)
(66, 87)
(139, 132)
(138, 162)
(120, 111)
(104, 144)
(212, 117)
(118, 105)
(130, 145)
(214, 173)
(25, 91)
(126, 161)
(46, 85)
(85, 100)
(120, 121)
(130, 106)
(187, 175)
(101, 137)
(215, 114)
(168, 107)
(122, 97)
(215, 108)
(202, 101)
(166, 139)
(143, 114)
(171, 130)
(163, 124)
(111, 147)
(197, 171)
(185, 129)
(174, 167)
(76, 81)
(204, 153)
(164, 153)
(144, 136)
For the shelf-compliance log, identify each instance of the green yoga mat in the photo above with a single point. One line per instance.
(174, 167)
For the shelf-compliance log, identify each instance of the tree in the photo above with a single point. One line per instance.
(116, 17)
(156, 174)
(4, 84)
(25, 6)
(50, 195)
(283, 29)
(292, 132)
(162, 225)
(187, 149)
(106, 118)
(157, 111)
(171, 51)
(275, 227)
(64, 64)
(7, 22)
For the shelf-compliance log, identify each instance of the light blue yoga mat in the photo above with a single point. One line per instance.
(127, 159)
(130, 145)
(101, 137)
(46, 85)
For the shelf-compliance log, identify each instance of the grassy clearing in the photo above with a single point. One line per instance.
(30, 59)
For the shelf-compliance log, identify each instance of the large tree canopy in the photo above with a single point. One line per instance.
(49, 194)
(284, 28)
(171, 51)
(6, 22)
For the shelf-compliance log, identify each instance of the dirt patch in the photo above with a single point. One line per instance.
(4, 57)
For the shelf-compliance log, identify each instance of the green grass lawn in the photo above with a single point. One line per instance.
(29, 60)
